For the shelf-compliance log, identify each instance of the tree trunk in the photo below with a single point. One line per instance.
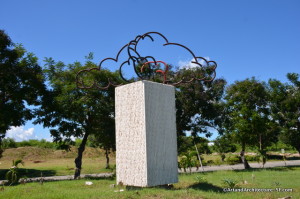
(242, 154)
(1, 148)
(199, 157)
(78, 159)
(107, 158)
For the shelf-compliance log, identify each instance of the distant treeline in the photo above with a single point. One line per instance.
(11, 143)
(186, 145)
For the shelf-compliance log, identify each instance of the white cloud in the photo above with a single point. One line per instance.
(49, 139)
(19, 133)
(73, 138)
(189, 64)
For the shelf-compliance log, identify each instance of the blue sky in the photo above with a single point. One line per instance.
(246, 38)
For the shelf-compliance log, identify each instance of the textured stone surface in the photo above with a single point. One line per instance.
(146, 134)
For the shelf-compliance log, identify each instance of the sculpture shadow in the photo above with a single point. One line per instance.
(208, 187)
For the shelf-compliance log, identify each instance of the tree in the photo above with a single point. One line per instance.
(199, 106)
(286, 108)
(76, 112)
(248, 116)
(223, 144)
(105, 138)
(21, 85)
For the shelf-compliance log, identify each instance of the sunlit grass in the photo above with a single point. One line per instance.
(48, 162)
(188, 187)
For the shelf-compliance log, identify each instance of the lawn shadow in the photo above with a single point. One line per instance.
(100, 178)
(28, 173)
(283, 168)
(204, 186)
(136, 188)
(293, 158)
(197, 172)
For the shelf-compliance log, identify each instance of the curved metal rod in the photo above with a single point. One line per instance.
(158, 71)
(182, 47)
(131, 47)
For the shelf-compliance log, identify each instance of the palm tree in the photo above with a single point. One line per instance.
(12, 174)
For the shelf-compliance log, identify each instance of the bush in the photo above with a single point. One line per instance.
(188, 160)
(230, 183)
(201, 179)
(218, 162)
(9, 143)
(280, 145)
(255, 158)
(231, 160)
(210, 162)
(13, 175)
(37, 143)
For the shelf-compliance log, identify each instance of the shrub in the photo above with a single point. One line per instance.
(230, 183)
(37, 143)
(210, 162)
(231, 160)
(255, 158)
(218, 162)
(12, 175)
(201, 179)
(9, 143)
(188, 160)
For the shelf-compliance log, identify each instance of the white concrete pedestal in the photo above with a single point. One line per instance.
(146, 143)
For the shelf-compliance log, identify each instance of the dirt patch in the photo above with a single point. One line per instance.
(38, 161)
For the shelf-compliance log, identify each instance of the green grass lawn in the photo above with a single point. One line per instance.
(56, 167)
(197, 185)
(53, 162)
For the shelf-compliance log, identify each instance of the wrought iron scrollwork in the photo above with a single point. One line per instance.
(140, 62)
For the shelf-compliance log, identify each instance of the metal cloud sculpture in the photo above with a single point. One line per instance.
(139, 62)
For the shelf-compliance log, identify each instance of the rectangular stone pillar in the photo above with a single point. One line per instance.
(146, 141)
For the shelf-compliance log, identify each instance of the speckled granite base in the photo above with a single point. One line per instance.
(146, 145)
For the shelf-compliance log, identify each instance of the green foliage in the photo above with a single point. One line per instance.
(218, 162)
(254, 158)
(210, 162)
(248, 116)
(285, 108)
(9, 143)
(188, 160)
(70, 111)
(276, 147)
(75, 111)
(37, 143)
(230, 183)
(21, 84)
(233, 159)
(78, 141)
(63, 145)
(223, 144)
(201, 179)
(187, 143)
(12, 175)
(198, 106)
